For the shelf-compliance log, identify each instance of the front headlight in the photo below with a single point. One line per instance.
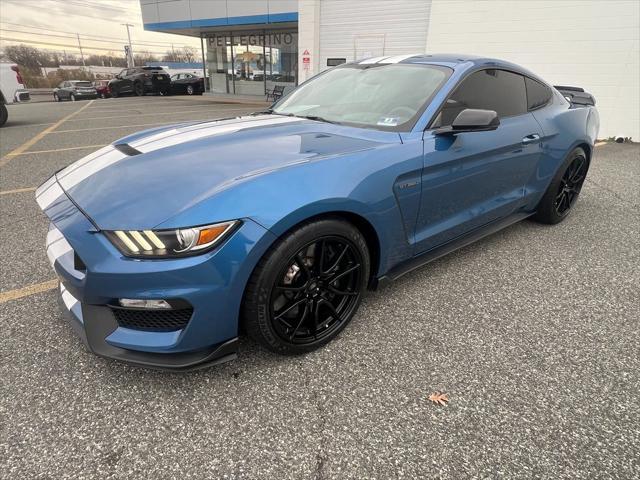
(180, 242)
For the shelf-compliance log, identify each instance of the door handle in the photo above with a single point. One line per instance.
(534, 137)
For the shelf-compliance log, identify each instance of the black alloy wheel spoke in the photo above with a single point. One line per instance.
(337, 262)
(290, 288)
(289, 308)
(332, 289)
(338, 276)
(321, 246)
(302, 319)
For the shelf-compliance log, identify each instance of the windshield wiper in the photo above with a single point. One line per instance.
(317, 119)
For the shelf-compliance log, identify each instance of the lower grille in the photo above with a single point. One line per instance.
(153, 320)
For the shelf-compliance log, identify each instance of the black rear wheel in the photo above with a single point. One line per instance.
(562, 193)
(307, 288)
(138, 88)
(4, 114)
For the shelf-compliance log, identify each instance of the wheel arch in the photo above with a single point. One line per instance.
(359, 221)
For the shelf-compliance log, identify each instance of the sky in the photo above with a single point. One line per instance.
(56, 22)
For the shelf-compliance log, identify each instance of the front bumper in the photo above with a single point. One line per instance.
(212, 284)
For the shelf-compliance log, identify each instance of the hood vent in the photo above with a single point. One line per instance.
(127, 149)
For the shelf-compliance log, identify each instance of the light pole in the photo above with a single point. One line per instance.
(130, 58)
(80, 47)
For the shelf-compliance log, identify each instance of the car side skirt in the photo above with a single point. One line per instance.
(455, 244)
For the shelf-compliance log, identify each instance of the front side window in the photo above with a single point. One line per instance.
(498, 90)
(385, 97)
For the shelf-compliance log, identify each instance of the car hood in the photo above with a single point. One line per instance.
(146, 178)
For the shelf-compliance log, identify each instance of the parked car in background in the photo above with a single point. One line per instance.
(187, 83)
(278, 221)
(11, 89)
(102, 88)
(141, 80)
(74, 90)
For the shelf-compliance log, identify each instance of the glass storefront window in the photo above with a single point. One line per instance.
(249, 62)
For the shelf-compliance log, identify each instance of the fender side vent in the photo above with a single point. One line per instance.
(127, 149)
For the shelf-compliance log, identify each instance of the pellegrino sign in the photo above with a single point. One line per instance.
(261, 39)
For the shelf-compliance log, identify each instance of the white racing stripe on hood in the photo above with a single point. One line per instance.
(176, 136)
(86, 169)
(48, 193)
(93, 163)
(66, 171)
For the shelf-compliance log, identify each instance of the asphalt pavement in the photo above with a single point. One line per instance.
(532, 332)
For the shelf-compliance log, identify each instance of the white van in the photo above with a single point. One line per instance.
(11, 89)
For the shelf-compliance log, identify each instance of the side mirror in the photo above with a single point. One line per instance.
(471, 120)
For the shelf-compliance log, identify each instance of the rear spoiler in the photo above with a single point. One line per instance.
(576, 95)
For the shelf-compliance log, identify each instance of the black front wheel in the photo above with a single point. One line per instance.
(562, 193)
(138, 89)
(307, 288)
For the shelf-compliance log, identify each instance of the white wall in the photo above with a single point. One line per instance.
(587, 43)
(590, 44)
(353, 29)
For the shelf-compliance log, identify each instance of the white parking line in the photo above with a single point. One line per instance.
(112, 127)
(33, 152)
(247, 110)
(28, 125)
(18, 190)
(36, 138)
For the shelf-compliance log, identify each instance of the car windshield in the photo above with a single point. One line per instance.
(386, 97)
(82, 84)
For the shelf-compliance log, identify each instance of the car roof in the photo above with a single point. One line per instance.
(452, 60)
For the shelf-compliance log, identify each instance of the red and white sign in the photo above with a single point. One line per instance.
(306, 59)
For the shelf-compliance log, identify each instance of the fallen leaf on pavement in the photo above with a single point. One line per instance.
(439, 398)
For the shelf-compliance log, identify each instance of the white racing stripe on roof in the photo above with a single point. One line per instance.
(372, 60)
(187, 134)
(399, 58)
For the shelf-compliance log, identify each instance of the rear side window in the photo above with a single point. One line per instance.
(538, 94)
(498, 90)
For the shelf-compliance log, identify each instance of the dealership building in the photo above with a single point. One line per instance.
(250, 46)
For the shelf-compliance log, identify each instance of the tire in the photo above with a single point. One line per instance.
(563, 192)
(72, 97)
(4, 114)
(114, 93)
(190, 90)
(298, 298)
(138, 89)
(56, 98)
(102, 95)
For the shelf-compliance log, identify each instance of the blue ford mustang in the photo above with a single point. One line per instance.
(171, 240)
